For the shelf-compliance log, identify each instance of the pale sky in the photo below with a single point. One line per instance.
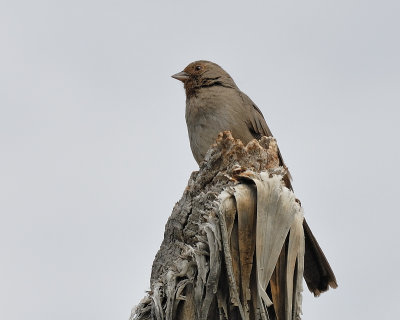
(95, 153)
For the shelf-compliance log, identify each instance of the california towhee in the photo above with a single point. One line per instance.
(214, 103)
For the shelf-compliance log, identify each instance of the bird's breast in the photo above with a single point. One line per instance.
(205, 119)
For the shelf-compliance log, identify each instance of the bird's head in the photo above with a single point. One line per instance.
(201, 74)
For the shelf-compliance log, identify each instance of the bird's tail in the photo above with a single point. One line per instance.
(317, 271)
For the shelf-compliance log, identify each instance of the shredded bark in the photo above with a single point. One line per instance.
(233, 246)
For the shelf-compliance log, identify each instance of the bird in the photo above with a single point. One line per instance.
(214, 103)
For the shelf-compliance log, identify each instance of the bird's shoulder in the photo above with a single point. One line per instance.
(224, 101)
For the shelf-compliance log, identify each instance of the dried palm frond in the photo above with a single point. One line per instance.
(234, 244)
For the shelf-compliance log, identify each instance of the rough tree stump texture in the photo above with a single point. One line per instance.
(233, 246)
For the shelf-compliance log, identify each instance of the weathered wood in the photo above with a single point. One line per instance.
(224, 239)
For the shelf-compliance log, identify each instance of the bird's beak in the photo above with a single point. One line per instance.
(182, 76)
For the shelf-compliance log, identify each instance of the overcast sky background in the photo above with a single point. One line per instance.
(95, 153)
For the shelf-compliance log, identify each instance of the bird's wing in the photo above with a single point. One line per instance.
(256, 122)
(258, 127)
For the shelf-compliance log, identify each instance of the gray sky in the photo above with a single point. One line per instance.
(94, 148)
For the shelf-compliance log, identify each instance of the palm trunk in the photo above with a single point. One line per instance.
(233, 246)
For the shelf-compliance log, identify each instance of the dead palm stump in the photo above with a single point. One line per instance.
(233, 246)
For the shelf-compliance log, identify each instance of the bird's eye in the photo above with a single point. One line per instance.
(197, 68)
